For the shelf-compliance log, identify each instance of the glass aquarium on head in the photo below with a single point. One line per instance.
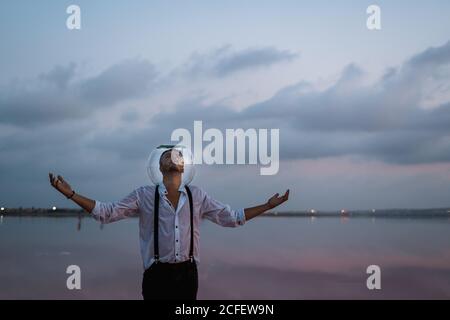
(154, 172)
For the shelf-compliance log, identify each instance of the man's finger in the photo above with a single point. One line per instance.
(60, 178)
(52, 179)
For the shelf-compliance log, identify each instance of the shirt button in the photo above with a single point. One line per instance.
(177, 254)
(176, 227)
(177, 240)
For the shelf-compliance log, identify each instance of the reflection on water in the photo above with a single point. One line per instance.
(79, 222)
(268, 258)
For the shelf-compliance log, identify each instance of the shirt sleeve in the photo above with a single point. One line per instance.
(107, 212)
(220, 213)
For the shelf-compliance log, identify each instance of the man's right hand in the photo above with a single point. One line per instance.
(60, 184)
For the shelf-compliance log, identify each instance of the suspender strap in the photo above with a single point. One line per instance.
(191, 209)
(156, 225)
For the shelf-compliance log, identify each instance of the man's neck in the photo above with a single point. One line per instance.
(172, 181)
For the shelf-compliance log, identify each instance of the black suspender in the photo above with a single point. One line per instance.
(156, 224)
(191, 209)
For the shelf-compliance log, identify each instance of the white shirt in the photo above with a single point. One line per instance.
(174, 224)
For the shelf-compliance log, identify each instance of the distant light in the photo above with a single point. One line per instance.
(343, 211)
(373, 210)
(54, 208)
(2, 209)
(313, 211)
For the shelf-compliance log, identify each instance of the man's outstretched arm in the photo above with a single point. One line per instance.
(105, 212)
(223, 215)
(62, 186)
(273, 202)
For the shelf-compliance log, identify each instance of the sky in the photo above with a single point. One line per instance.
(364, 115)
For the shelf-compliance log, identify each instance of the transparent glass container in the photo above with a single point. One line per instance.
(153, 171)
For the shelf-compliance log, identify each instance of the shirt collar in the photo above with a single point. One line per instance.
(163, 191)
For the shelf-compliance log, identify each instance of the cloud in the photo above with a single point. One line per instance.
(383, 120)
(127, 80)
(431, 57)
(59, 75)
(57, 96)
(225, 61)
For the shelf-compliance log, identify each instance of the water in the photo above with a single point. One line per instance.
(268, 258)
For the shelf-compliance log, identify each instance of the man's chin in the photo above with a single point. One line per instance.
(179, 169)
(176, 170)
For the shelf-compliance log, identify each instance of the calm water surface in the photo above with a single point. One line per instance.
(268, 258)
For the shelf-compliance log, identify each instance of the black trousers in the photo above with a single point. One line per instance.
(170, 281)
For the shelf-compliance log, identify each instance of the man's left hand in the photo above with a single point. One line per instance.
(276, 200)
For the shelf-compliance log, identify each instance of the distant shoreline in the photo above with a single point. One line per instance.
(425, 213)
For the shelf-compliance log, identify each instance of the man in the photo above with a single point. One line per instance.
(169, 220)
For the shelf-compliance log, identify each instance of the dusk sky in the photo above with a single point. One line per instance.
(364, 115)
